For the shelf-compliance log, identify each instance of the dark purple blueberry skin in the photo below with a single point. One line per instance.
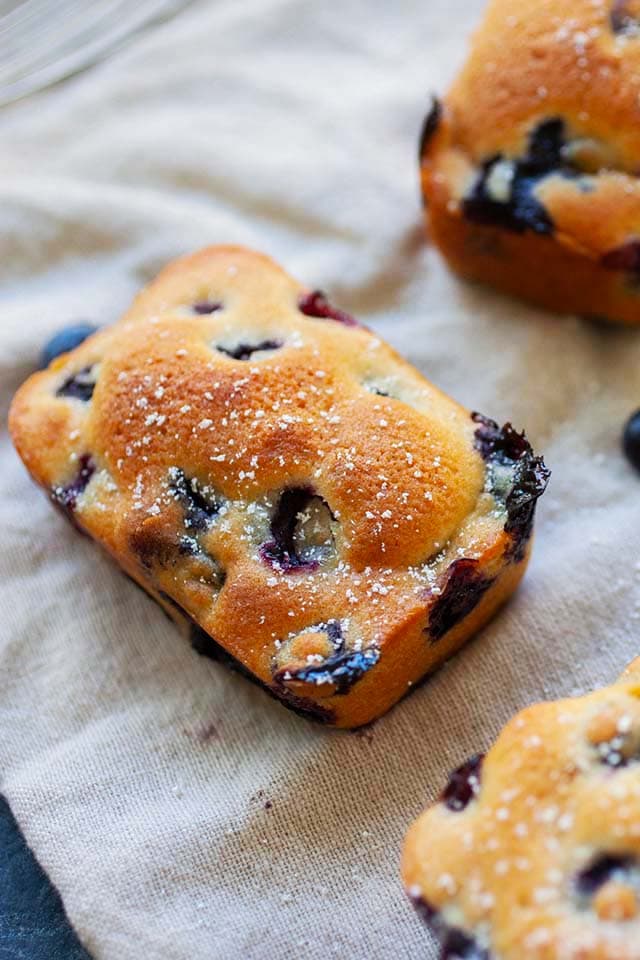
(429, 126)
(631, 440)
(455, 944)
(621, 19)
(463, 591)
(66, 340)
(523, 211)
(343, 668)
(66, 498)
(465, 584)
(600, 871)
(244, 351)
(78, 386)
(506, 446)
(463, 785)
(280, 551)
(614, 753)
(206, 306)
(315, 304)
(199, 511)
(499, 443)
(188, 547)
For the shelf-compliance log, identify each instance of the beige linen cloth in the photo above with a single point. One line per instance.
(180, 812)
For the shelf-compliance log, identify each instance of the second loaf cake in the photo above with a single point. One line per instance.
(530, 164)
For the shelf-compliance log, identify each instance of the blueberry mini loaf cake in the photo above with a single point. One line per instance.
(534, 853)
(283, 483)
(530, 166)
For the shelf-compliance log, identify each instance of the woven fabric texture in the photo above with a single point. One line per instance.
(181, 813)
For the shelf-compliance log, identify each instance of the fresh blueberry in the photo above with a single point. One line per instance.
(631, 440)
(66, 340)
(463, 785)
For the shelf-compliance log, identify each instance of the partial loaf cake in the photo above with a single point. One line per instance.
(533, 853)
(530, 164)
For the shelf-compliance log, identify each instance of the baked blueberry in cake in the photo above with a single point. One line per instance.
(533, 852)
(530, 165)
(305, 504)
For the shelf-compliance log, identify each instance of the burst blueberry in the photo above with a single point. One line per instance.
(66, 497)
(245, 351)
(505, 447)
(606, 867)
(463, 785)
(343, 668)
(520, 209)
(315, 304)
(463, 590)
(199, 505)
(292, 546)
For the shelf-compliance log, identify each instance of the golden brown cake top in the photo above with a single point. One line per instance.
(531, 61)
(534, 853)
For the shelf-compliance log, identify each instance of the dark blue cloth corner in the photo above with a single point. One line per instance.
(33, 924)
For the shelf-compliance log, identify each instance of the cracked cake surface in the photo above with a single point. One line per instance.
(530, 169)
(533, 851)
(295, 495)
